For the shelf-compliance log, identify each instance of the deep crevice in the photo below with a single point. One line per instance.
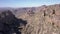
(53, 12)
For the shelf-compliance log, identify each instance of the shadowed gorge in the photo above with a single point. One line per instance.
(9, 24)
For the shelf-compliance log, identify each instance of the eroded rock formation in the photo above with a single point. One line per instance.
(40, 20)
(45, 20)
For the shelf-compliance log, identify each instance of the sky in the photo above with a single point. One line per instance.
(27, 3)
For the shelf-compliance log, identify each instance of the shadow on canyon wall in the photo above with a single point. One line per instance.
(9, 24)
